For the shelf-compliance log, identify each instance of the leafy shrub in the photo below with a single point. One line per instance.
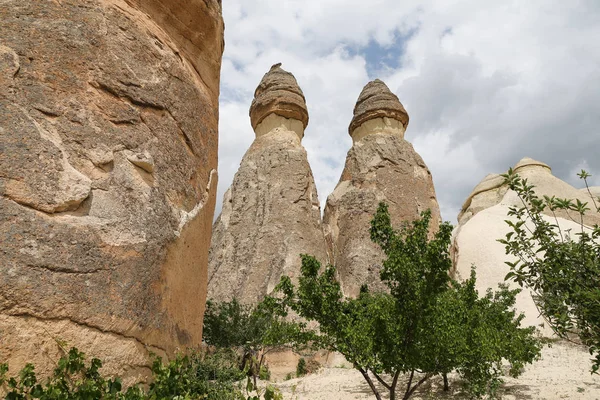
(301, 368)
(188, 377)
(264, 374)
(72, 379)
(253, 332)
(211, 377)
(563, 272)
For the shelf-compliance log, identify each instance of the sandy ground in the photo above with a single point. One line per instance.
(562, 373)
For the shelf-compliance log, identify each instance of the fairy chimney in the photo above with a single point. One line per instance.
(271, 212)
(380, 166)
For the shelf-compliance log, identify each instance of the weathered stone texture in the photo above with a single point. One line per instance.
(278, 93)
(377, 101)
(271, 212)
(108, 156)
(492, 190)
(380, 166)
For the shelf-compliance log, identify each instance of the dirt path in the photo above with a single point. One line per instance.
(562, 373)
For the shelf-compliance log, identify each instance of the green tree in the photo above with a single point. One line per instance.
(426, 325)
(562, 269)
(253, 330)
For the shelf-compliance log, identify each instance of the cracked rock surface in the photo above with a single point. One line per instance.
(380, 166)
(108, 156)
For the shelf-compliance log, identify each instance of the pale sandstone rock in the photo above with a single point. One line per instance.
(475, 244)
(491, 191)
(482, 223)
(271, 212)
(108, 157)
(595, 192)
(380, 166)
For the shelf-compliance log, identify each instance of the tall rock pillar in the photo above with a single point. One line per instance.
(380, 166)
(108, 157)
(271, 212)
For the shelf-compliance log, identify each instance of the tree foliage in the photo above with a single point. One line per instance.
(253, 331)
(561, 268)
(186, 377)
(426, 325)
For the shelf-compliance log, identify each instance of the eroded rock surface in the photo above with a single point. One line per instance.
(482, 223)
(108, 156)
(278, 93)
(271, 212)
(380, 166)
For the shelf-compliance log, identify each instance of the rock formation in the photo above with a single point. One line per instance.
(108, 156)
(482, 223)
(271, 212)
(380, 166)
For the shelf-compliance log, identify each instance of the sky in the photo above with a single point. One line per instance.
(485, 83)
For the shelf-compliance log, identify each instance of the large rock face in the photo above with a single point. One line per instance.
(108, 156)
(271, 212)
(482, 223)
(380, 166)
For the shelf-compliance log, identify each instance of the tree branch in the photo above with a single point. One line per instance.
(384, 383)
(370, 382)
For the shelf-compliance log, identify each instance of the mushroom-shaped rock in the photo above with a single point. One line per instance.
(271, 213)
(278, 93)
(376, 103)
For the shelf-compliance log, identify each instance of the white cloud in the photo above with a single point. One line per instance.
(485, 83)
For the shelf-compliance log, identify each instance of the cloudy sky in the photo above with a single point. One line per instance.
(485, 83)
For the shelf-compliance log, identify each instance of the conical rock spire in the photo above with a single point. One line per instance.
(380, 166)
(271, 212)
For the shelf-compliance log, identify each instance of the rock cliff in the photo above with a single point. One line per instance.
(108, 157)
(271, 212)
(380, 166)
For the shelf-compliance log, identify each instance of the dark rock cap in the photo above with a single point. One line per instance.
(278, 93)
(377, 101)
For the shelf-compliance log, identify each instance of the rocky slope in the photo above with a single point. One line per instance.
(380, 166)
(108, 156)
(271, 212)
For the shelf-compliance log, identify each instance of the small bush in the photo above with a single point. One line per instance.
(195, 376)
(301, 368)
(264, 374)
